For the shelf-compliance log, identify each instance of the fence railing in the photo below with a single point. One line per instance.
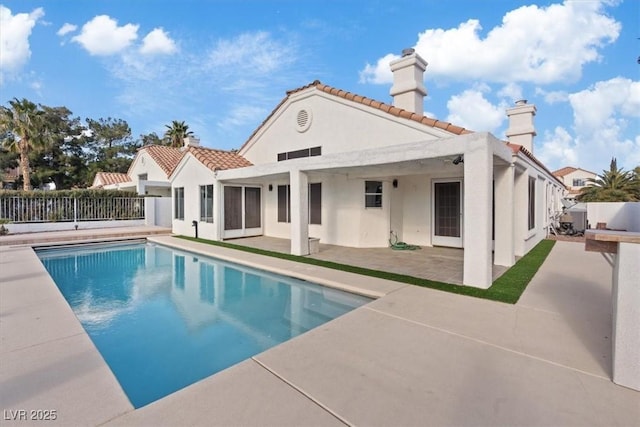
(70, 209)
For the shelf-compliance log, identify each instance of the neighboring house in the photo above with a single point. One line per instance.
(149, 172)
(575, 179)
(350, 170)
(9, 177)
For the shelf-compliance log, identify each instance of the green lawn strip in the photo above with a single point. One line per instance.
(507, 288)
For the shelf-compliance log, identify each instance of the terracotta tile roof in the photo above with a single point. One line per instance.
(568, 169)
(390, 109)
(520, 149)
(564, 171)
(218, 159)
(108, 178)
(166, 157)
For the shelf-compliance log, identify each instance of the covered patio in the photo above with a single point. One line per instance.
(413, 168)
(432, 263)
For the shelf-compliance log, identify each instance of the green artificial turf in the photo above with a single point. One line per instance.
(507, 288)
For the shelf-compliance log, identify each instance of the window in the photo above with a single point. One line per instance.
(373, 194)
(579, 182)
(284, 203)
(206, 203)
(532, 203)
(298, 154)
(143, 177)
(178, 203)
(315, 203)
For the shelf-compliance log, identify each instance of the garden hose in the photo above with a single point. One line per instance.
(400, 246)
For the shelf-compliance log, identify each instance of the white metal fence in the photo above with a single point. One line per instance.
(69, 209)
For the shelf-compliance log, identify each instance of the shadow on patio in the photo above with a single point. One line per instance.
(433, 263)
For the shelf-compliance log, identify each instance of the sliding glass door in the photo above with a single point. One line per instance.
(242, 211)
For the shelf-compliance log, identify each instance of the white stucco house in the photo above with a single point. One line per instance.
(575, 179)
(149, 172)
(349, 170)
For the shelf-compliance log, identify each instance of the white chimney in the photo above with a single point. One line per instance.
(408, 89)
(521, 130)
(191, 141)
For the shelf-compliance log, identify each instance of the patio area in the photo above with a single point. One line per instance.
(414, 356)
(433, 263)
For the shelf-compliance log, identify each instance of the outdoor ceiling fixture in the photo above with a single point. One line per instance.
(458, 160)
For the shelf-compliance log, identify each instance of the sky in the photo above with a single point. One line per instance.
(223, 65)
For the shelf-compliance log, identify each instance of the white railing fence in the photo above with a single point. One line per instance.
(69, 209)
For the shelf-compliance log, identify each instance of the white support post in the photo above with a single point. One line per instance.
(218, 206)
(504, 253)
(299, 213)
(478, 171)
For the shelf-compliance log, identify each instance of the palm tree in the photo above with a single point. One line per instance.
(614, 185)
(21, 131)
(176, 133)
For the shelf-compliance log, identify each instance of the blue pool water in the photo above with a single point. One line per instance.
(163, 319)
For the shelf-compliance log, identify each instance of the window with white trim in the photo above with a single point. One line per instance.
(315, 203)
(178, 203)
(532, 203)
(206, 203)
(373, 194)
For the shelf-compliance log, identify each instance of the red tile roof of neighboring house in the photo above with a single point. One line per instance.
(390, 109)
(108, 178)
(166, 157)
(564, 171)
(218, 159)
(568, 169)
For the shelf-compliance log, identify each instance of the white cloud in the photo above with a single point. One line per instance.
(472, 110)
(511, 91)
(605, 125)
(241, 115)
(258, 53)
(558, 148)
(15, 50)
(532, 44)
(158, 42)
(66, 29)
(597, 105)
(552, 97)
(102, 36)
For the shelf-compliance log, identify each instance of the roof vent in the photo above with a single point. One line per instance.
(303, 120)
(408, 51)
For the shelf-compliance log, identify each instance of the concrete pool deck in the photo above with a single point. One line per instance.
(414, 356)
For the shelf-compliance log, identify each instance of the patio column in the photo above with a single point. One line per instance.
(299, 212)
(478, 171)
(503, 222)
(218, 206)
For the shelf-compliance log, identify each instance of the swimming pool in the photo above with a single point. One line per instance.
(163, 318)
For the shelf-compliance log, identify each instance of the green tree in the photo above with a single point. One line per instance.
(152, 139)
(176, 133)
(61, 159)
(613, 185)
(109, 145)
(21, 130)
